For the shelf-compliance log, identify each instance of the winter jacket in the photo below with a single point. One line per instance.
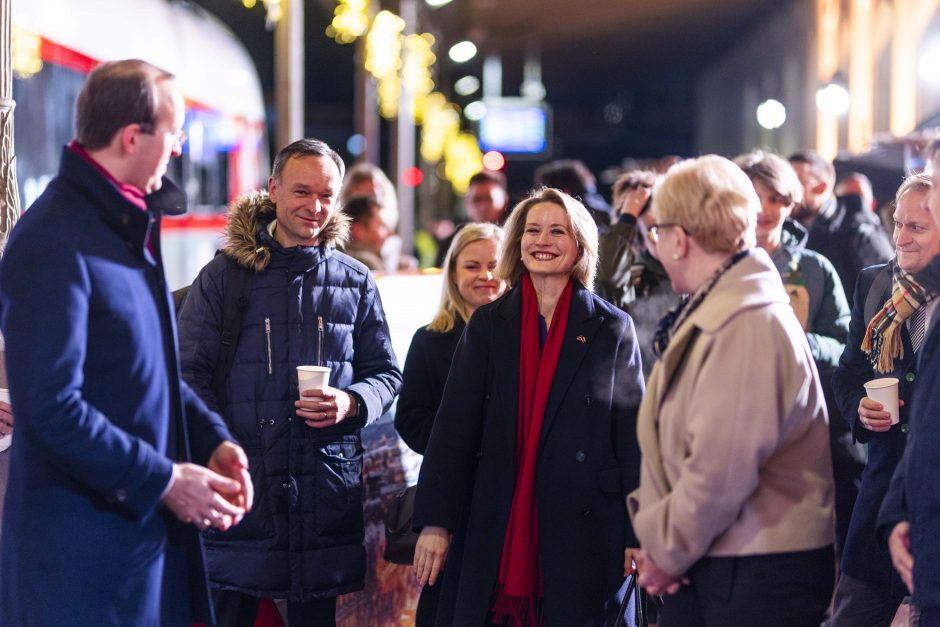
(425, 374)
(734, 473)
(101, 415)
(303, 538)
(631, 278)
(816, 295)
(912, 494)
(588, 460)
(849, 236)
(865, 557)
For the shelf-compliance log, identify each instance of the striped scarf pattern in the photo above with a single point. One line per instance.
(882, 341)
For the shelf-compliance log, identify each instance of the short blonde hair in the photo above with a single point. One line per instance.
(774, 172)
(510, 267)
(713, 200)
(452, 303)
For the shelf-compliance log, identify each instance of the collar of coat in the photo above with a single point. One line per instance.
(251, 213)
(752, 282)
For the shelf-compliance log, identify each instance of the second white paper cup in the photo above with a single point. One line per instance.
(310, 377)
(885, 391)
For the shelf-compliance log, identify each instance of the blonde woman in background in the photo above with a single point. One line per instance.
(469, 282)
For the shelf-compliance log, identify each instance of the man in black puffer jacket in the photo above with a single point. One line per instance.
(308, 304)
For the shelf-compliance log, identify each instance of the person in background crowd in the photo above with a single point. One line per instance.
(909, 515)
(469, 282)
(366, 179)
(628, 273)
(819, 303)
(857, 184)
(840, 229)
(367, 232)
(547, 372)
(308, 305)
(100, 524)
(486, 200)
(575, 179)
(889, 322)
(734, 511)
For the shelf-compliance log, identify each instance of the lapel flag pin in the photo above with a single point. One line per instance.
(581, 339)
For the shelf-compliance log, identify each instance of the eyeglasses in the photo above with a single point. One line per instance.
(653, 231)
(179, 137)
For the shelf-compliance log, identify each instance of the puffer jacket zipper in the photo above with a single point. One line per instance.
(319, 340)
(267, 336)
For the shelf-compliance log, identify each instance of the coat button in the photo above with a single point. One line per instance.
(586, 513)
(125, 220)
(120, 495)
(285, 485)
(909, 377)
(580, 456)
(588, 400)
(905, 427)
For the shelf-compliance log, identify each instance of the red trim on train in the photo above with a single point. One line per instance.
(63, 56)
(214, 222)
(66, 57)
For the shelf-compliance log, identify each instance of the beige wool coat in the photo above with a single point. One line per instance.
(733, 431)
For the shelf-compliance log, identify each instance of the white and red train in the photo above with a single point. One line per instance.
(226, 152)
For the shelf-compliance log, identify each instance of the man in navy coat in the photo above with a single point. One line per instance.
(911, 510)
(105, 494)
(869, 590)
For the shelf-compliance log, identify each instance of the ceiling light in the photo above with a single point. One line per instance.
(462, 52)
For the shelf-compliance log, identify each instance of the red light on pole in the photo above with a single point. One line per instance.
(412, 177)
(494, 160)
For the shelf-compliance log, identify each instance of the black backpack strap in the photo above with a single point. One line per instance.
(234, 303)
(874, 300)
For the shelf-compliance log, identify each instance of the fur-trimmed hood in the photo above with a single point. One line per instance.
(251, 212)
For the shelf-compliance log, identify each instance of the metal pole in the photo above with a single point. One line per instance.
(9, 194)
(406, 140)
(289, 72)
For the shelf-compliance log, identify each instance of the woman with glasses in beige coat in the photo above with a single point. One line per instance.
(734, 509)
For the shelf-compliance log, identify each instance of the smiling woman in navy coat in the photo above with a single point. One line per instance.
(534, 450)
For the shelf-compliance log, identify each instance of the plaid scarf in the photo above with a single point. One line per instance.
(882, 341)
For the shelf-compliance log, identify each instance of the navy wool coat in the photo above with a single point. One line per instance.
(913, 494)
(303, 538)
(100, 412)
(588, 462)
(865, 556)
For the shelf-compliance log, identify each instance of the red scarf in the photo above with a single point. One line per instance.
(518, 597)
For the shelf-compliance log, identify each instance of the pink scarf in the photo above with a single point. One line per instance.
(518, 598)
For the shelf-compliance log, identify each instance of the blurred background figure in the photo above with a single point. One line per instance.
(550, 371)
(367, 231)
(890, 315)
(734, 510)
(628, 273)
(468, 283)
(575, 179)
(819, 303)
(857, 184)
(366, 179)
(841, 229)
(486, 200)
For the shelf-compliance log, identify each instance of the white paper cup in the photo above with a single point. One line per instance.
(885, 391)
(6, 440)
(312, 377)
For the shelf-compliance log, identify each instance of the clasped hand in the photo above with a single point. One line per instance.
(324, 407)
(215, 496)
(653, 578)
